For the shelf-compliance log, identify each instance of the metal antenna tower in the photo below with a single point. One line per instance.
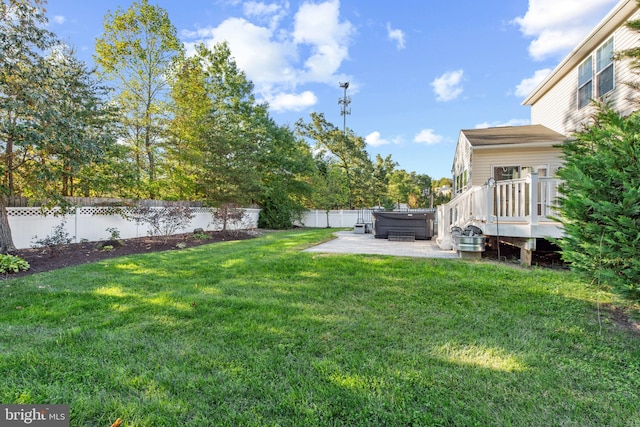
(344, 101)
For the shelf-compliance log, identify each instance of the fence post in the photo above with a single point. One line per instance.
(75, 231)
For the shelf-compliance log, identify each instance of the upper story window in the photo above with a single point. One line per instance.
(604, 68)
(585, 82)
(602, 64)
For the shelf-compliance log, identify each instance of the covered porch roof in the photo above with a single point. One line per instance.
(513, 136)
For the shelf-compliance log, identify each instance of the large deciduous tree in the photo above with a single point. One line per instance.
(349, 151)
(225, 148)
(218, 133)
(138, 50)
(329, 183)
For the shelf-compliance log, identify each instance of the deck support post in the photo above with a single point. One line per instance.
(526, 251)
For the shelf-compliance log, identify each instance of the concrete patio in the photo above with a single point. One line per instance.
(348, 242)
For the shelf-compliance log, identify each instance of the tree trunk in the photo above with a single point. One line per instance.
(8, 159)
(6, 241)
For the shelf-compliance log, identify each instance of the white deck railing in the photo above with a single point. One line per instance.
(523, 207)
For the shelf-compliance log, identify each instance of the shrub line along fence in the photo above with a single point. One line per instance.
(91, 223)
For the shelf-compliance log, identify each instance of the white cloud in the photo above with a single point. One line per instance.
(397, 36)
(319, 27)
(512, 122)
(292, 102)
(527, 85)
(271, 13)
(557, 26)
(59, 19)
(276, 58)
(448, 86)
(427, 136)
(374, 139)
(259, 9)
(264, 59)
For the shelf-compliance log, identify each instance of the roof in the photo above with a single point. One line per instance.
(511, 135)
(618, 16)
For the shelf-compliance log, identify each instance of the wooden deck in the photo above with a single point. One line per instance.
(522, 209)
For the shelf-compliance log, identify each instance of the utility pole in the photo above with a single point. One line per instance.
(344, 110)
(344, 102)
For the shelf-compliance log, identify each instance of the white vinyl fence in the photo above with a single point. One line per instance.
(336, 218)
(342, 218)
(91, 223)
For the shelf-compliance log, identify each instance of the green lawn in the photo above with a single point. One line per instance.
(258, 333)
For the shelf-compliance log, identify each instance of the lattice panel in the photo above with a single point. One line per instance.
(31, 212)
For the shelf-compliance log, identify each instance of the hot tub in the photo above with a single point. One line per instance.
(403, 223)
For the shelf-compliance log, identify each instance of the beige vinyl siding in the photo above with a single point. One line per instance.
(558, 108)
(554, 109)
(485, 159)
(625, 39)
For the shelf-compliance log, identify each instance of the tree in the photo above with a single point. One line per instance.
(329, 185)
(77, 128)
(138, 50)
(219, 130)
(285, 165)
(349, 151)
(53, 121)
(401, 186)
(600, 198)
(22, 38)
(382, 171)
(600, 203)
(441, 197)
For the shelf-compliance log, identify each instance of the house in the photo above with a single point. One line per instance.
(503, 177)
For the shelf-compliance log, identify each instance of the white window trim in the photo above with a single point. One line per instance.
(612, 65)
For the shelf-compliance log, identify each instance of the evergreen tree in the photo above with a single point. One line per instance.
(600, 203)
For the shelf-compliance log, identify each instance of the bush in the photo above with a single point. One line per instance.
(12, 264)
(114, 233)
(60, 237)
(278, 212)
(229, 214)
(275, 214)
(600, 203)
(162, 222)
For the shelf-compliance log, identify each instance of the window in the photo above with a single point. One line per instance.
(461, 181)
(585, 83)
(604, 68)
(501, 173)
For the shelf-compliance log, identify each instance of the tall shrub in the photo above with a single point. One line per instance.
(600, 203)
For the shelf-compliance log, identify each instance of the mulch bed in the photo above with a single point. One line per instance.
(45, 259)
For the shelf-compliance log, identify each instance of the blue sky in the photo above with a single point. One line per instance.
(418, 70)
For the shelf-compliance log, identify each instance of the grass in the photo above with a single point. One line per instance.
(258, 333)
